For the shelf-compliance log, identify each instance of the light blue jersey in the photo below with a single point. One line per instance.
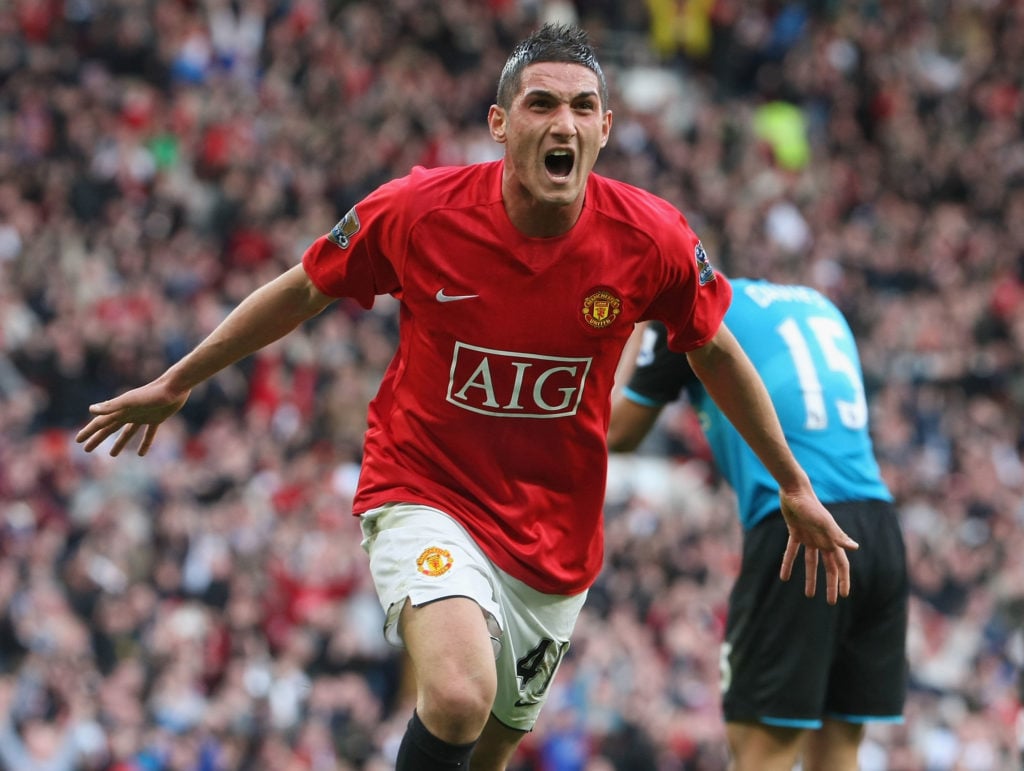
(805, 352)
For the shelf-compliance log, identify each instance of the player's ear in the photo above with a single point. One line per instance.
(497, 120)
(606, 127)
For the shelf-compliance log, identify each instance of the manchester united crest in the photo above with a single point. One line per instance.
(601, 308)
(434, 561)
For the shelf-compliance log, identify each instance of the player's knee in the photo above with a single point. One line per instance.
(458, 708)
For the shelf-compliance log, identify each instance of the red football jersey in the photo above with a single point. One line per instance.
(495, 407)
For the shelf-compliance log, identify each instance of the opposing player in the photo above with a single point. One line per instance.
(483, 473)
(799, 677)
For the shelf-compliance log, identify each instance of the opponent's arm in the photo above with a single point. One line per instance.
(630, 423)
(657, 377)
(732, 381)
(266, 315)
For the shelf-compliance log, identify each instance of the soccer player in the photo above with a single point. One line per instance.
(798, 675)
(482, 483)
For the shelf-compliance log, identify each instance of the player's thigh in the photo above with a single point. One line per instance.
(437, 591)
(759, 747)
(450, 648)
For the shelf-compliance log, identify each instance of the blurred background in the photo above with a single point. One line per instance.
(208, 608)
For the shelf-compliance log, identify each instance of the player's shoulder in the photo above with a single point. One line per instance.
(475, 183)
(635, 207)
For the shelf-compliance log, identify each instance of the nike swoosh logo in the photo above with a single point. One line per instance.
(441, 297)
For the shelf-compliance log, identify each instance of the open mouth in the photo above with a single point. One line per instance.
(559, 163)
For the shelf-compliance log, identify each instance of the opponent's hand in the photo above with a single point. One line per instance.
(811, 525)
(147, 406)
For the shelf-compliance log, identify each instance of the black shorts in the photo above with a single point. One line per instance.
(790, 660)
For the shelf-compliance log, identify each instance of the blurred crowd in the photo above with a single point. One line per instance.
(207, 608)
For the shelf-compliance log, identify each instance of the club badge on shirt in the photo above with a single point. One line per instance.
(601, 308)
(434, 561)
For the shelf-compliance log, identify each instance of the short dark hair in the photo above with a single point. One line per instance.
(551, 43)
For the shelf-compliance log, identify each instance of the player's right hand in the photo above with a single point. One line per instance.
(147, 406)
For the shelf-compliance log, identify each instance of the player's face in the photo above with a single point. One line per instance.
(552, 133)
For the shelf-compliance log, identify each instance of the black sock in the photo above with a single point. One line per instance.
(422, 751)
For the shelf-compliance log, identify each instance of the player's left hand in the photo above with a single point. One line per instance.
(811, 525)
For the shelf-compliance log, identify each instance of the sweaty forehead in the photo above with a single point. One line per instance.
(563, 78)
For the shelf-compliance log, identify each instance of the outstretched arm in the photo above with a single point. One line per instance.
(731, 380)
(268, 314)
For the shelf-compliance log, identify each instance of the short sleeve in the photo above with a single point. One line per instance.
(361, 255)
(695, 297)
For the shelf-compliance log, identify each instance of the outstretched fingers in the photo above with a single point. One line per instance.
(837, 566)
(145, 408)
(100, 429)
(97, 431)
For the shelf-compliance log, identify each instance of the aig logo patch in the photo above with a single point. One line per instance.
(347, 227)
(705, 272)
(601, 308)
(509, 384)
(434, 561)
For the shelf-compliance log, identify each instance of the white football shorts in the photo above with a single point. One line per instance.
(421, 553)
